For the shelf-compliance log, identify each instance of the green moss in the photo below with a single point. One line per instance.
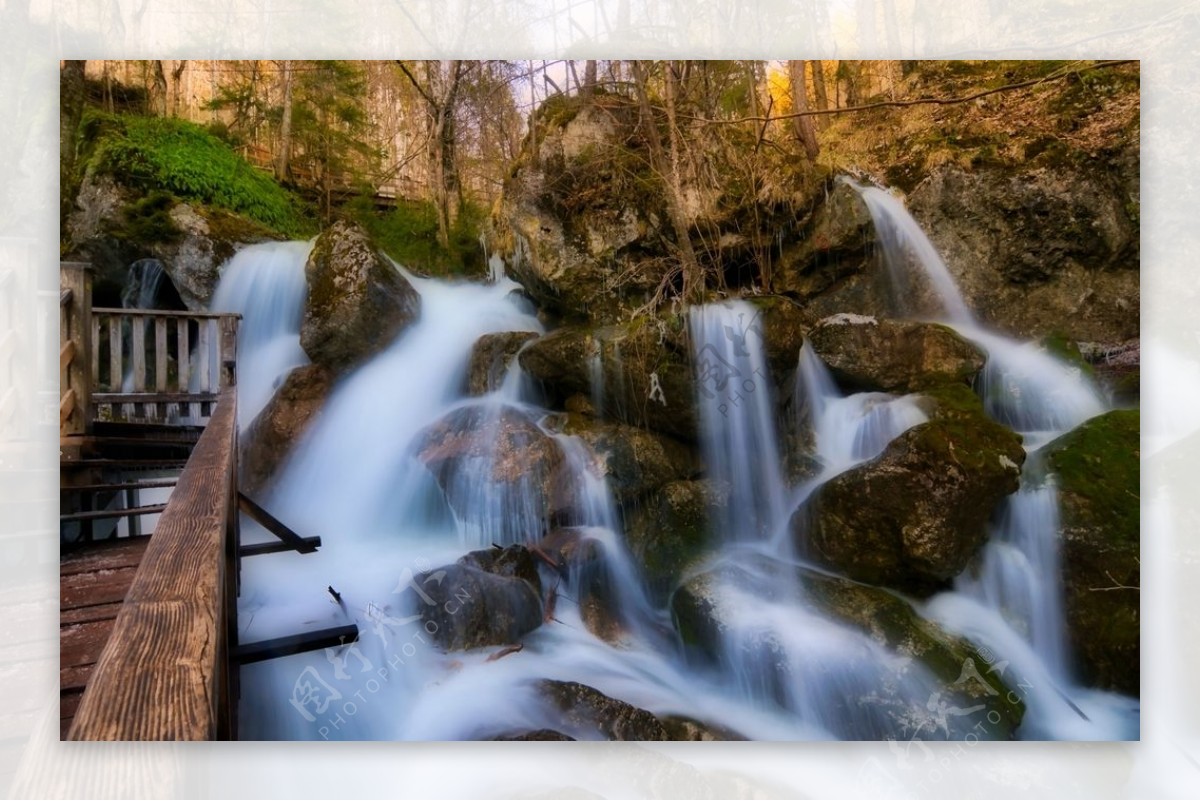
(1062, 347)
(147, 220)
(1098, 470)
(176, 157)
(961, 431)
(408, 233)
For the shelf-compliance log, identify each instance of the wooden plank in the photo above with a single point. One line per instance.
(163, 675)
(75, 678)
(182, 356)
(120, 485)
(229, 326)
(160, 354)
(187, 315)
(113, 514)
(65, 296)
(116, 377)
(203, 358)
(270, 523)
(104, 556)
(66, 354)
(87, 614)
(138, 346)
(295, 644)
(126, 464)
(66, 406)
(95, 336)
(155, 397)
(99, 587)
(82, 643)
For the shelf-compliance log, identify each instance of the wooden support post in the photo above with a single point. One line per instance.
(229, 327)
(296, 644)
(76, 327)
(271, 524)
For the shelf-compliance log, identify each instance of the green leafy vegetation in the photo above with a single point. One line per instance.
(167, 155)
(408, 234)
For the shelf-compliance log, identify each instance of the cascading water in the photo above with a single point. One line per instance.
(1014, 595)
(142, 285)
(265, 284)
(402, 473)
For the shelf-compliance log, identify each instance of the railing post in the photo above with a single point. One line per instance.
(229, 326)
(76, 346)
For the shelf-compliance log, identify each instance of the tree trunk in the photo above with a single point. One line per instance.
(284, 156)
(803, 125)
(176, 95)
(589, 76)
(667, 169)
(818, 76)
(158, 90)
(71, 99)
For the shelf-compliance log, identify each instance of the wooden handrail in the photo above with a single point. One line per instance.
(191, 315)
(163, 674)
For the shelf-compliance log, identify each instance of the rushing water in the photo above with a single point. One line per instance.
(372, 478)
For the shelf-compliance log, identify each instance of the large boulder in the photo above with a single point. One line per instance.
(579, 211)
(1044, 248)
(497, 467)
(490, 597)
(671, 528)
(913, 517)
(582, 560)
(358, 302)
(834, 244)
(1096, 469)
(865, 353)
(491, 357)
(281, 423)
(641, 372)
(712, 605)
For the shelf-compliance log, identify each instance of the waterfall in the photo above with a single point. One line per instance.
(737, 416)
(265, 284)
(1011, 601)
(141, 285)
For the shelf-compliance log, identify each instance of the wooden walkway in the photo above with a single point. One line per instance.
(93, 581)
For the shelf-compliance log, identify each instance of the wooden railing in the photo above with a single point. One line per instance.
(164, 674)
(160, 366)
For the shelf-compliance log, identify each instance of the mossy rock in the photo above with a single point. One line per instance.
(634, 461)
(703, 615)
(491, 357)
(1097, 470)
(358, 302)
(880, 355)
(281, 423)
(915, 516)
(671, 528)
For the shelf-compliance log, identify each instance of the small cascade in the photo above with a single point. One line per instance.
(737, 415)
(265, 284)
(1011, 601)
(596, 376)
(848, 430)
(142, 284)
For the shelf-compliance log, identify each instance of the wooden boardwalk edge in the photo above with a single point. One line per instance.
(164, 673)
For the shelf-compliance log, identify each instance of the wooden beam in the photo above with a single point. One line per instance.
(81, 488)
(262, 548)
(295, 644)
(272, 524)
(164, 673)
(108, 514)
(66, 354)
(65, 406)
(190, 315)
(155, 397)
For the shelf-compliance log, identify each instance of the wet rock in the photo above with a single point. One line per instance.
(645, 372)
(681, 728)
(490, 359)
(581, 565)
(634, 461)
(671, 529)
(484, 599)
(1118, 367)
(358, 302)
(498, 451)
(281, 423)
(588, 711)
(913, 517)
(1040, 250)
(869, 354)
(709, 605)
(537, 735)
(834, 244)
(1096, 468)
